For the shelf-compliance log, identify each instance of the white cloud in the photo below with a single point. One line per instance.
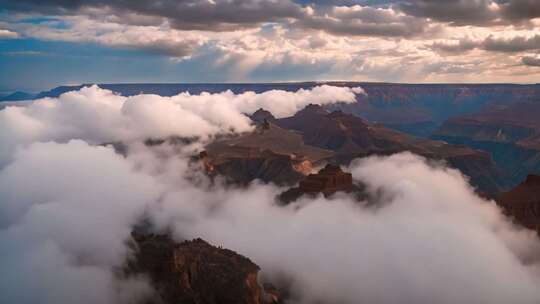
(7, 34)
(63, 235)
(331, 43)
(100, 116)
(159, 39)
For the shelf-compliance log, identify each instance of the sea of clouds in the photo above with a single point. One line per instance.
(68, 205)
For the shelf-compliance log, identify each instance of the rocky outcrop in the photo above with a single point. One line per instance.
(261, 115)
(523, 203)
(269, 154)
(195, 272)
(266, 166)
(327, 181)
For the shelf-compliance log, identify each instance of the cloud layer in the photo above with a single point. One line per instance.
(67, 207)
(63, 230)
(431, 240)
(249, 40)
(100, 116)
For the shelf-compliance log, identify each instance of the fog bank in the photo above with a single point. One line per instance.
(67, 207)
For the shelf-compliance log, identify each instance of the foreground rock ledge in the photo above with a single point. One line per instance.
(195, 272)
(523, 203)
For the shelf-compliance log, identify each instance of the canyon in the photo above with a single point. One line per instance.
(488, 131)
(510, 133)
(285, 150)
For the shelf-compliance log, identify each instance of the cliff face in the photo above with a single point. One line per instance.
(328, 180)
(195, 272)
(523, 203)
(419, 109)
(265, 166)
(339, 132)
(350, 137)
(510, 133)
(515, 123)
(270, 154)
(285, 150)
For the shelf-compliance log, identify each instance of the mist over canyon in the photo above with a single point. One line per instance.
(270, 151)
(80, 172)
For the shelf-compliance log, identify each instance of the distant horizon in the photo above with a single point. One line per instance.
(7, 92)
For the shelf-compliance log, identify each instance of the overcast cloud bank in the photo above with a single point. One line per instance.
(275, 40)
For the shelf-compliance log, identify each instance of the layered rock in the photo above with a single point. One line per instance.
(523, 203)
(195, 272)
(327, 181)
(350, 137)
(419, 109)
(269, 154)
(510, 133)
(517, 123)
(285, 150)
(264, 165)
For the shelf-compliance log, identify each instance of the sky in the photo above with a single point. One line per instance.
(45, 43)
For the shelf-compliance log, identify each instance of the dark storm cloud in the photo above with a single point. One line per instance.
(364, 21)
(473, 12)
(176, 49)
(457, 12)
(228, 15)
(531, 61)
(350, 2)
(521, 9)
(503, 45)
(458, 47)
(513, 45)
(183, 14)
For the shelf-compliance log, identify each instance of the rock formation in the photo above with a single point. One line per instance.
(523, 203)
(269, 153)
(351, 137)
(195, 272)
(285, 150)
(327, 181)
(262, 115)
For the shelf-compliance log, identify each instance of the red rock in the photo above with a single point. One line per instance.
(328, 180)
(195, 272)
(523, 203)
(351, 137)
